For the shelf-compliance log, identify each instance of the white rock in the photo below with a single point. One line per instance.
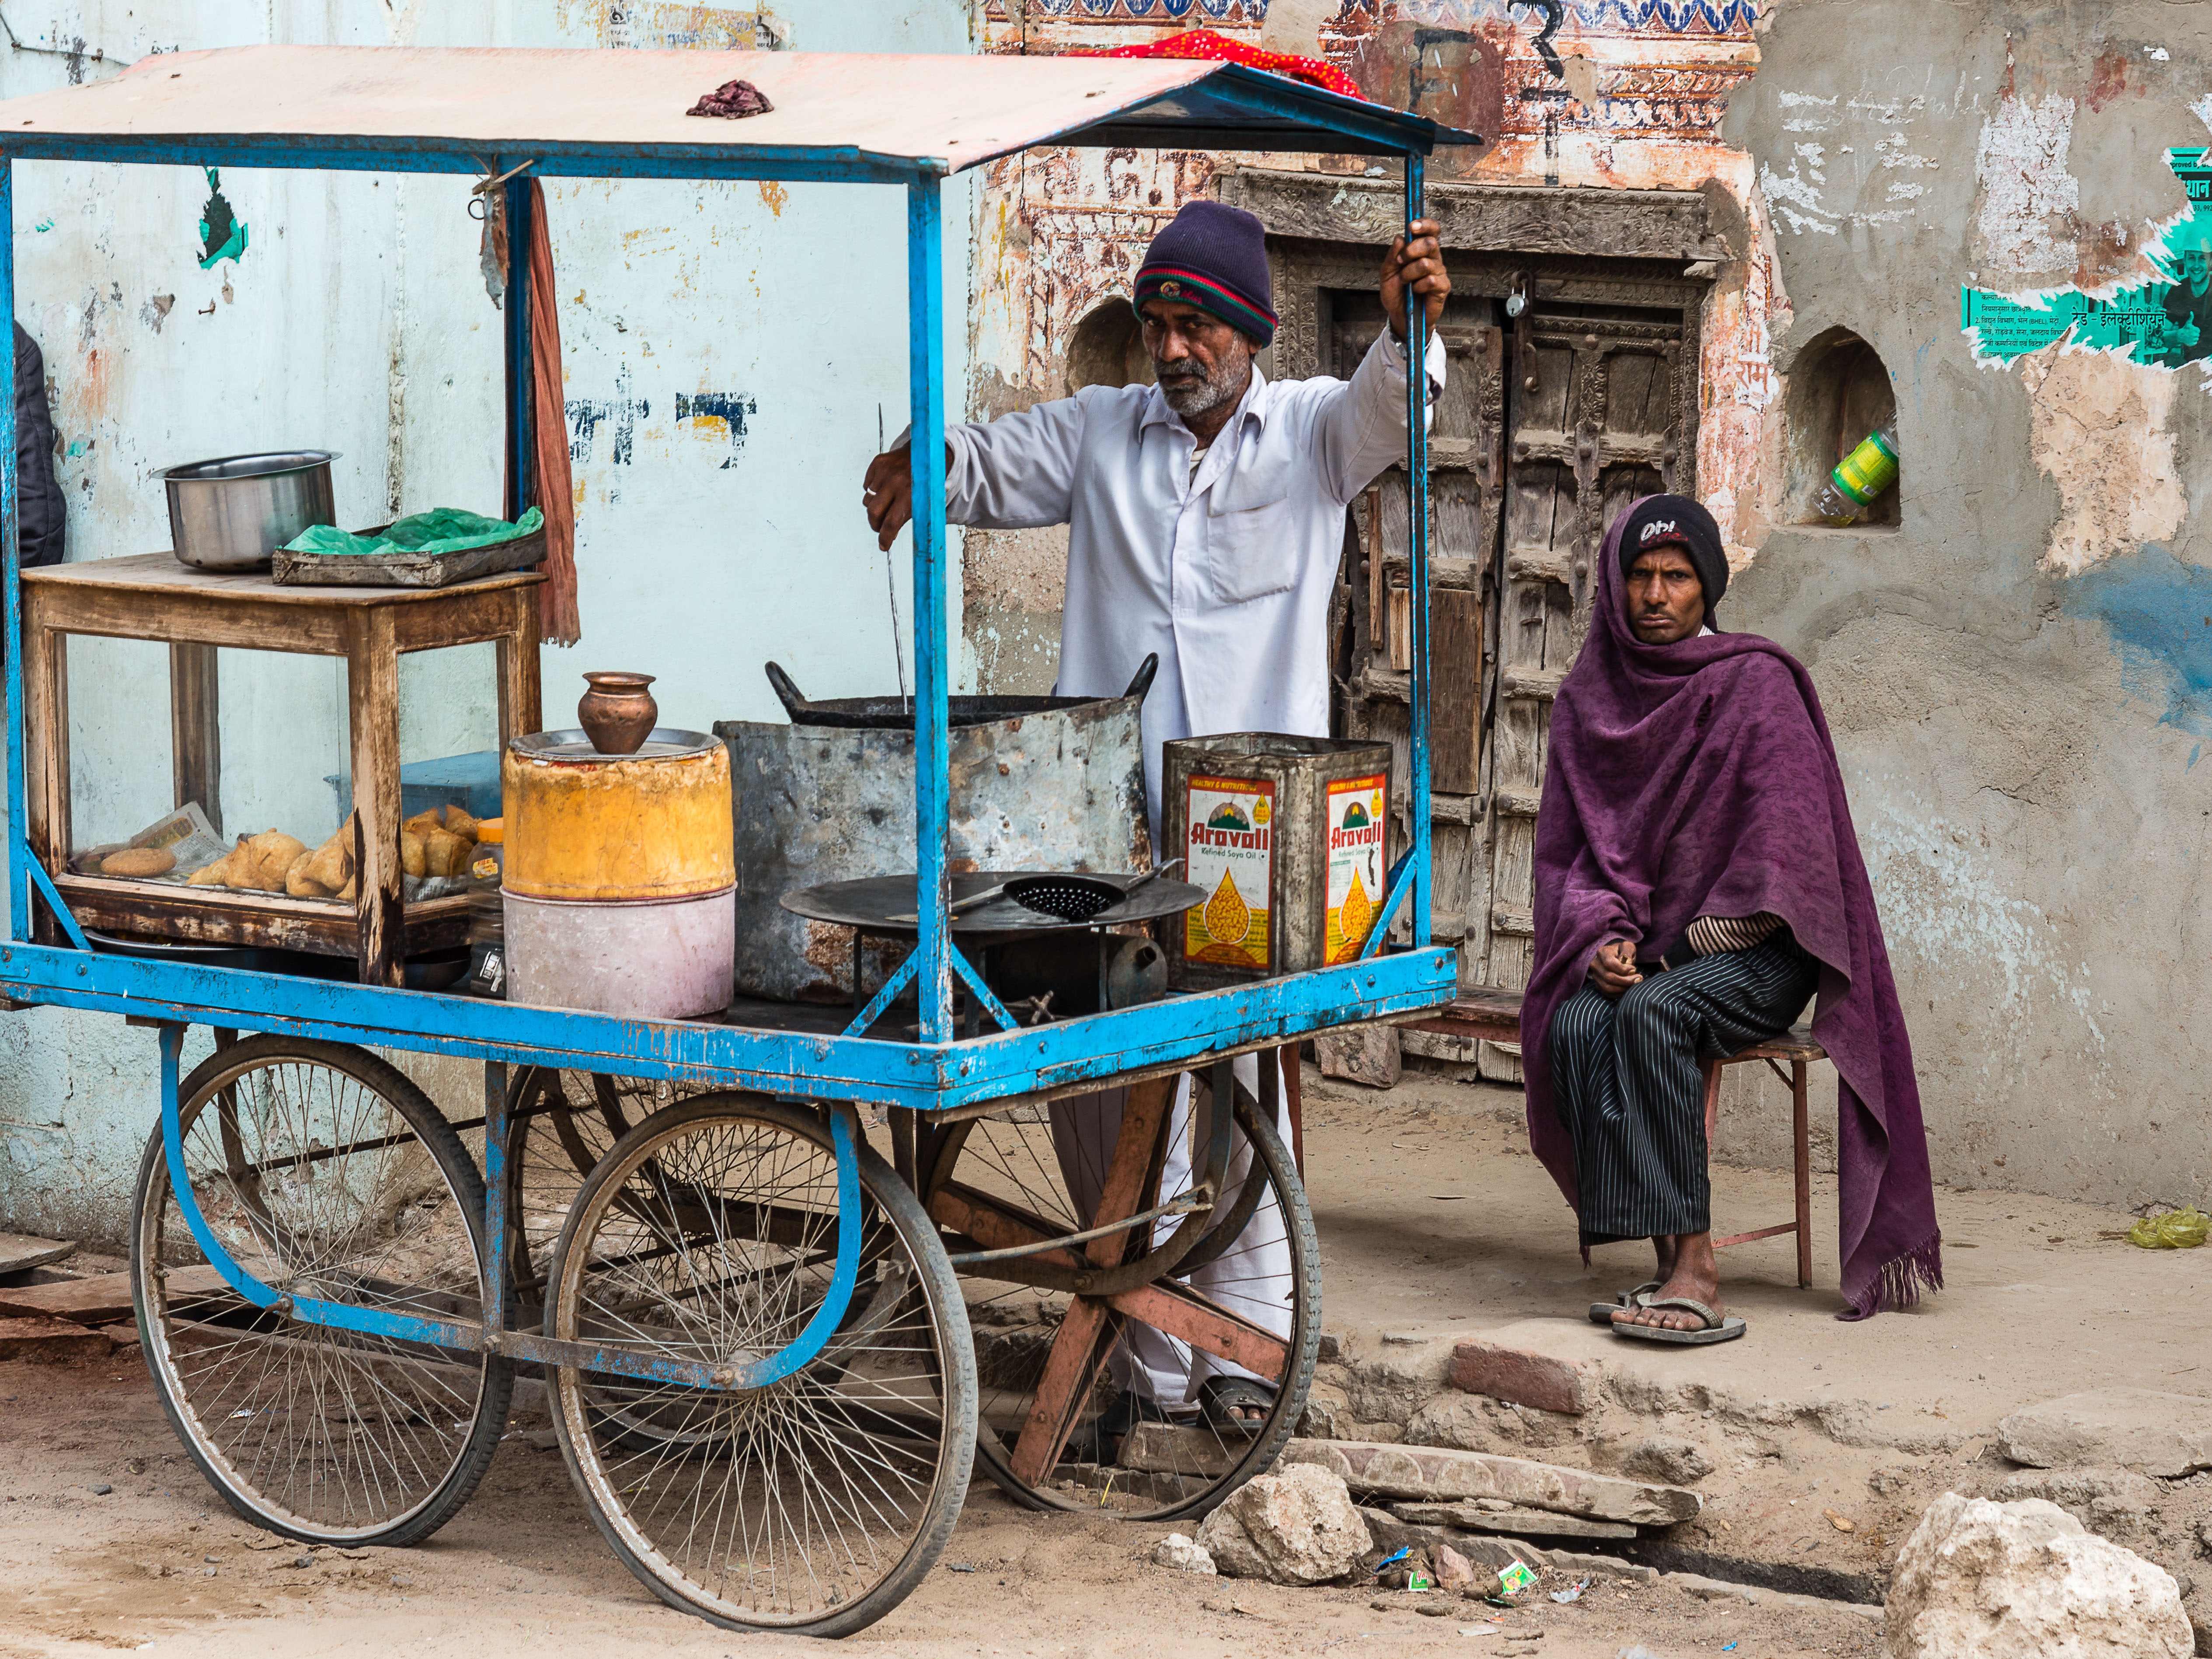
(1180, 1552)
(1979, 1580)
(1299, 1526)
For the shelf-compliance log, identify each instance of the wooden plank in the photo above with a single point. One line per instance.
(195, 729)
(47, 737)
(19, 1253)
(162, 573)
(1524, 219)
(1182, 1312)
(205, 915)
(372, 702)
(1079, 1350)
(1456, 699)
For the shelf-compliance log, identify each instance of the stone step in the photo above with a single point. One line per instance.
(1508, 1517)
(1434, 1474)
(51, 1342)
(1173, 1449)
(101, 1300)
(19, 1253)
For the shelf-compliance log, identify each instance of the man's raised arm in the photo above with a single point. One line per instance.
(1014, 473)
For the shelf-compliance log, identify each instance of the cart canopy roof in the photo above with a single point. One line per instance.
(836, 115)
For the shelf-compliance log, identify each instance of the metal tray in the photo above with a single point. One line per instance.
(405, 569)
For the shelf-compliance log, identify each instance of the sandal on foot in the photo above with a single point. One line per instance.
(1601, 1312)
(1220, 1398)
(1716, 1329)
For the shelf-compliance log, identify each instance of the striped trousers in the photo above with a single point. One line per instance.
(1628, 1085)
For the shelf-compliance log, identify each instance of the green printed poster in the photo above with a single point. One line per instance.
(2167, 321)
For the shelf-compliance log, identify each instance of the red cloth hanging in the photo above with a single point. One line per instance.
(1204, 43)
(557, 622)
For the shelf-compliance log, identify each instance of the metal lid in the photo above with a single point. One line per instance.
(662, 743)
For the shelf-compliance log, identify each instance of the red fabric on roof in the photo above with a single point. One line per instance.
(1206, 44)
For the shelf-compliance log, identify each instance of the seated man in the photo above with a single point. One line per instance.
(1698, 879)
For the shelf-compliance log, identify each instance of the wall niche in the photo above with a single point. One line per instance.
(1106, 348)
(1837, 391)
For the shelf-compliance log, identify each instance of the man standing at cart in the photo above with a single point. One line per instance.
(1206, 519)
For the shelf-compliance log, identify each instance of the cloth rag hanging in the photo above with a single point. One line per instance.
(1698, 778)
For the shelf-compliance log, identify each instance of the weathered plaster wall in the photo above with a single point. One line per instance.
(2017, 675)
(1578, 92)
(720, 414)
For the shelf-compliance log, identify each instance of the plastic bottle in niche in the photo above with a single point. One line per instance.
(1860, 477)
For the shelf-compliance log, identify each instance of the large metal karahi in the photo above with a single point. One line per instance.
(1036, 783)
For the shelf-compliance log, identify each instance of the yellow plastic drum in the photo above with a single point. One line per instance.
(583, 825)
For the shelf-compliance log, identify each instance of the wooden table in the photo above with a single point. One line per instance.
(199, 613)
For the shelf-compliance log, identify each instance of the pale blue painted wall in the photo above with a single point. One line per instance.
(358, 319)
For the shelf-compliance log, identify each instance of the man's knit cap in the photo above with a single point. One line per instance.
(1215, 257)
(1676, 520)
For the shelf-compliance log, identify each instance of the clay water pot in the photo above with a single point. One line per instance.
(617, 712)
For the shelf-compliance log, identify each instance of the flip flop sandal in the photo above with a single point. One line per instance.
(1716, 1329)
(1220, 1398)
(1601, 1313)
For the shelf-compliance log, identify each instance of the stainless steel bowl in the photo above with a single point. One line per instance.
(232, 513)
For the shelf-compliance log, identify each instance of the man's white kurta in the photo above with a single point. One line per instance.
(1226, 574)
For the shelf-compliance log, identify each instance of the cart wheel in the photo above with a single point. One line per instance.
(814, 1504)
(1052, 1363)
(326, 1173)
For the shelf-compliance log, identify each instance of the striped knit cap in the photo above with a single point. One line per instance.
(1215, 257)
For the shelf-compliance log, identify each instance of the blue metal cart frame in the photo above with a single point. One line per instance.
(937, 1073)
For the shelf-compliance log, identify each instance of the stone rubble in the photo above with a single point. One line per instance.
(1183, 1555)
(2167, 1435)
(1980, 1580)
(1298, 1526)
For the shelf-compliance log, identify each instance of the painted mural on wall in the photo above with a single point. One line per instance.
(2167, 321)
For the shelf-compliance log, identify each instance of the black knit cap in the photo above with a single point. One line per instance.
(1212, 256)
(1678, 521)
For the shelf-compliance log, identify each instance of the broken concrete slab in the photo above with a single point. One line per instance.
(51, 1342)
(1510, 1518)
(1517, 1377)
(1360, 1054)
(101, 1300)
(1436, 1475)
(1490, 1554)
(1172, 1448)
(2165, 1435)
(19, 1253)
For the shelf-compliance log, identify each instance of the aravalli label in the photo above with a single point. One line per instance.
(1355, 864)
(1231, 855)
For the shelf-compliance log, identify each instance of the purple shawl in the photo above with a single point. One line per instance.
(1698, 778)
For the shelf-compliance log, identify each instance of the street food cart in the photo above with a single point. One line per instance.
(757, 1329)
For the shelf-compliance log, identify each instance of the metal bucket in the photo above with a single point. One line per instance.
(234, 512)
(645, 959)
(1058, 784)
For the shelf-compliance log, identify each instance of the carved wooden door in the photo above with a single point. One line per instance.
(1599, 400)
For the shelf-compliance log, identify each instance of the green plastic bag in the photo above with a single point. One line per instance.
(443, 529)
(2183, 1229)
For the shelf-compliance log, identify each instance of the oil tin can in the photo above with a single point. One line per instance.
(1290, 837)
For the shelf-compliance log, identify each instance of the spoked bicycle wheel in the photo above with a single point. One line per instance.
(326, 1175)
(1063, 1373)
(813, 1504)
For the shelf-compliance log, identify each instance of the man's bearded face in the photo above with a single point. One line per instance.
(2196, 269)
(1200, 361)
(1666, 601)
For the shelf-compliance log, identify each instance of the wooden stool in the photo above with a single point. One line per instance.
(1801, 1051)
(1487, 1013)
